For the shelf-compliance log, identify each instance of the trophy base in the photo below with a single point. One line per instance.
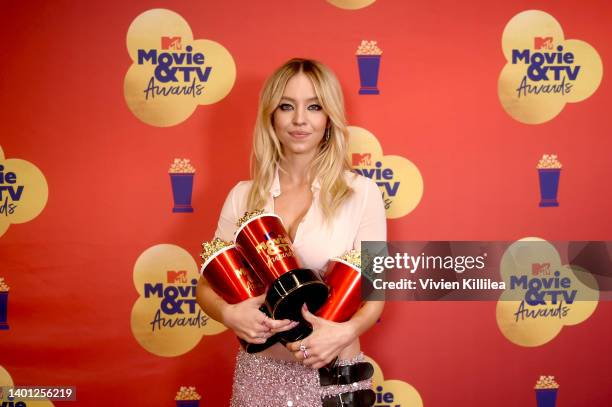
(296, 334)
(294, 288)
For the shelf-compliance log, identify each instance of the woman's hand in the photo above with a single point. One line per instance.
(250, 324)
(324, 343)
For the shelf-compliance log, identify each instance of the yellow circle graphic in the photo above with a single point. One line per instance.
(7, 381)
(166, 320)
(23, 191)
(172, 73)
(399, 180)
(351, 4)
(393, 392)
(534, 325)
(544, 71)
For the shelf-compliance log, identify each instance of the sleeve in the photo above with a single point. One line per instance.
(373, 225)
(230, 213)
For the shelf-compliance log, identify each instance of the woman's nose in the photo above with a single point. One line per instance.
(299, 116)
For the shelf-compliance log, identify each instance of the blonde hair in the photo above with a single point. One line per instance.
(331, 160)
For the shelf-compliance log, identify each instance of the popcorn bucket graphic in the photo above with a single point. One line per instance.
(187, 403)
(368, 74)
(549, 185)
(3, 310)
(182, 187)
(546, 397)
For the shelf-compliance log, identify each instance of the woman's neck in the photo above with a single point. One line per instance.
(297, 167)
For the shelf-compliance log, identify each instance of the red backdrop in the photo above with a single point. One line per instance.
(70, 269)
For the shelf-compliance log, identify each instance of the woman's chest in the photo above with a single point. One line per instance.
(292, 207)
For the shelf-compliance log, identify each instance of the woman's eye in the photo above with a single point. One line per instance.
(285, 107)
(315, 107)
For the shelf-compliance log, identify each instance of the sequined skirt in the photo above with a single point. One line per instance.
(261, 381)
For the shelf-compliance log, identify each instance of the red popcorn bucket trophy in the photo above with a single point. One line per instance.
(265, 244)
(233, 280)
(343, 277)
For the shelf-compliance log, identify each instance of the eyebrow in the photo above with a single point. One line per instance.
(313, 99)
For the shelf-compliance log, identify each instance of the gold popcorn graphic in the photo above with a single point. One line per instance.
(549, 173)
(181, 179)
(172, 73)
(4, 294)
(181, 166)
(368, 62)
(549, 161)
(187, 393)
(546, 391)
(368, 48)
(546, 382)
(3, 286)
(528, 314)
(7, 381)
(544, 71)
(351, 4)
(399, 180)
(166, 319)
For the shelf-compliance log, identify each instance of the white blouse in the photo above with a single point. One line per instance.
(360, 217)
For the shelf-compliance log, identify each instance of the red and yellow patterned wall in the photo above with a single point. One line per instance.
(124, 126)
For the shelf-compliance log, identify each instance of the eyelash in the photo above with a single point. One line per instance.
(285, 107)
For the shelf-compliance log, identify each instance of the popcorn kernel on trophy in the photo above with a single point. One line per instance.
(181, 177)
(549, 171)
(4, 292)
(265, 244)
(368, 60)
(187, 397)
(232, 279)
(546, 391)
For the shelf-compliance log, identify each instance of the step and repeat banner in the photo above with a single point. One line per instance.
(124, 126)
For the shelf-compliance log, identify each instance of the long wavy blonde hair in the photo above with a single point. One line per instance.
(331, 159)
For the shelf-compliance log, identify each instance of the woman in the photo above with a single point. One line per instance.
(301, 172)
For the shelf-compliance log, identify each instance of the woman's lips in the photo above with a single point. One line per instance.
(299, 134)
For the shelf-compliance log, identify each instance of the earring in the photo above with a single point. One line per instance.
(327, 133)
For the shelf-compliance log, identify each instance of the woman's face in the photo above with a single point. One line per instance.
(299, 120)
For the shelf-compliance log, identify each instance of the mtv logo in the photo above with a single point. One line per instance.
(361, 159)
(173, 43)
(177, 277)
(543, 42)
(540, 268)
